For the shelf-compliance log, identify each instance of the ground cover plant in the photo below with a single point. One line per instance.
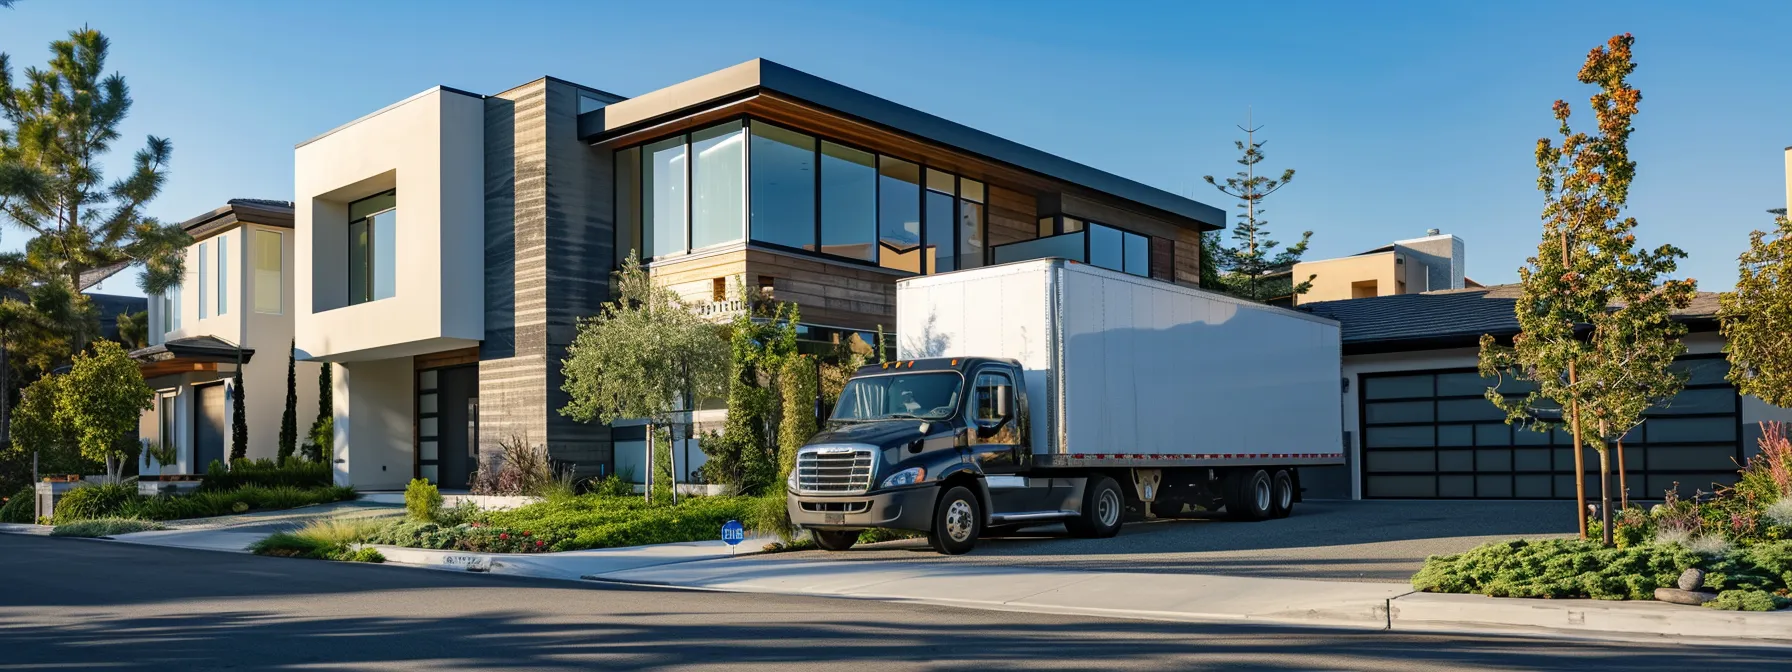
(267, 474)
(123, 501)
(104, 527)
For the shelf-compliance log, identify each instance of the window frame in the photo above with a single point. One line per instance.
(279, 271)
(747, 120)
(372, 247)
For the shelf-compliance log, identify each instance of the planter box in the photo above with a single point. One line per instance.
(166, 487)
(50, 492)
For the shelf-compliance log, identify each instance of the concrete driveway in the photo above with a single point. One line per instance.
(1335, 540)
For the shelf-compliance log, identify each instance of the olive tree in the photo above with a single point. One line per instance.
(1757, 317)
(100, 400)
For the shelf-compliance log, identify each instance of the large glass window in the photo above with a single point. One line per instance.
(373, 243)
(205, 275)
(941, 220)
(899, 214)
(1138, 254)
(970, 223)
(628, 204)
(268, 281)
(663, 172)
(1106, 247)
(848, 202)
(718, 185)
(223, 274)
(783, 194)
(171, 308)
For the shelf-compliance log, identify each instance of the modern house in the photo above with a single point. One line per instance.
(447, 244)
(1420, 426)
(236, 301)
(1433, 262)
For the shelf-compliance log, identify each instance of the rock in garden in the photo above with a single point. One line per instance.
(1692, 579)
(1678, 596)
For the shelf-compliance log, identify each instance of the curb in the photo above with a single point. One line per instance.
(1601, 618)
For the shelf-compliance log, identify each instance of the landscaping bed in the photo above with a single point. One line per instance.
(123, 501)
(1740, 537)
(567, 523)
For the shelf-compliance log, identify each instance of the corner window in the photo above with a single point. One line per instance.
(718, 185)
(783, 193)
(269, 289)
(663, 186)
(373, 257)
(848, 202)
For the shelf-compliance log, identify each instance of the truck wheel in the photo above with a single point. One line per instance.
(1102, 508)
(1248, 494)
(834, 540)
(956, 522)
(1281, 492)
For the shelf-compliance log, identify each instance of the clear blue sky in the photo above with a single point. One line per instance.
(1398, 116)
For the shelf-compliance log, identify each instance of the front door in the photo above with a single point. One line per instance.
(208, 426)
(447, 416)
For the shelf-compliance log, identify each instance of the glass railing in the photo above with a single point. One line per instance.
(1062, 246)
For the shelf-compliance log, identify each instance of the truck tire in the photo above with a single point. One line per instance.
(834, 540)
(1248, 494)
(1103, 510)
(956, 522)
(1281, 494)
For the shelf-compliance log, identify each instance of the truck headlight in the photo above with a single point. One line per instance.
(909, 476)
(790, 483)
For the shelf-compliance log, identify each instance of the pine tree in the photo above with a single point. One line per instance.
(289, 418)
(1596, 336)
(239, 420)
(1244, 264)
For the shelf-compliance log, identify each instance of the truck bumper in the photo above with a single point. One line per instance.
(905, 509)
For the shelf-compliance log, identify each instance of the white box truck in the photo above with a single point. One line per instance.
(1053, 391)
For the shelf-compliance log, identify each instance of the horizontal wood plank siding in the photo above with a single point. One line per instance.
(1013, 216)
(1188, 258)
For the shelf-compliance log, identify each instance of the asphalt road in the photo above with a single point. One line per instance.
(1372, 540)
(78, 604)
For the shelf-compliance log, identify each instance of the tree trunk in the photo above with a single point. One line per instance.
(1623, 488)
(1580, 466)
(1605, 499)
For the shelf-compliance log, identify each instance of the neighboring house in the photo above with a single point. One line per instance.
(448, 243)
(107, 308)
(1434, 262)
(1419, 426)
(237, 290)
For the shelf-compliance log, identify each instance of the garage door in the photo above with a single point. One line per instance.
(1432, 434)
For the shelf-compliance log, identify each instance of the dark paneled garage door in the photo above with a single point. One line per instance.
(1432, 434)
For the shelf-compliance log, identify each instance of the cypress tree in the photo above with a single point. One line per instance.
(239, 421)
(289, 419)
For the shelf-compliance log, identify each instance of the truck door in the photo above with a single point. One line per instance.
(994, 439)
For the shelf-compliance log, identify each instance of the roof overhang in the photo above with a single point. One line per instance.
(239, 211)
(759, 77)
(193, 353)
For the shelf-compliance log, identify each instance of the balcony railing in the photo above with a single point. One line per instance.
(1108, 249)
(1072, 246)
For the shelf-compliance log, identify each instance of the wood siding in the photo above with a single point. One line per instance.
(830, 293)
(1013, 216)
(1188, 258)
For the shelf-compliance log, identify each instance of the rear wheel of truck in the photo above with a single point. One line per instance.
(1281, 492)
(1102, 507)
(956, 522)
(1249, 494)
(834, 540)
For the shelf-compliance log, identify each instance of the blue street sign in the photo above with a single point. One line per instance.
(733, 533)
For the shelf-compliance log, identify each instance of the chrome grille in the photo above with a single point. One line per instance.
(834, 470)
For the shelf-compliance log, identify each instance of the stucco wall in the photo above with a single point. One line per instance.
(430, 148)
(1336, 275)
(373, 443)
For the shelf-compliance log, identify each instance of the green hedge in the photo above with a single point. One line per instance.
(122, 501)
(104, 527)
(575, 523)
(267, 474)
(21, 508)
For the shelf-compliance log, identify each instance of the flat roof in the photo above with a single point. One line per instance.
(763, 75)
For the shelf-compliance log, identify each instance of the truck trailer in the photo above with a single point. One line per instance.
(1052, 391)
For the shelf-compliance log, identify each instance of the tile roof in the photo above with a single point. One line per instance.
(1448, 318)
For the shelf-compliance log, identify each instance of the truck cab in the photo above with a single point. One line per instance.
(940, 446)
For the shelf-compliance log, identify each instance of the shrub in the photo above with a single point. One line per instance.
(96, 501)
(770, 517)
(1748, 600)
(463, 512)
(267, 474)
(612, 486)
(1673, 535)
(519, 468)
(1780, 512)
(21, 508)
(104, 527)
(1556, 568)
(422, 501)
(332, 539)
(573, 523)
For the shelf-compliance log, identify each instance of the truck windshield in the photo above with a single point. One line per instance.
(929, 396)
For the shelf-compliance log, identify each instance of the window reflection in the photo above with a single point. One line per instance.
(899, 214)
(783, 179)
(848, 202)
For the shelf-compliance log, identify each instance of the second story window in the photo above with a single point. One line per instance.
(223, 275)
(269, 289)
(372, 254)
(205, 276)
(171, 309)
